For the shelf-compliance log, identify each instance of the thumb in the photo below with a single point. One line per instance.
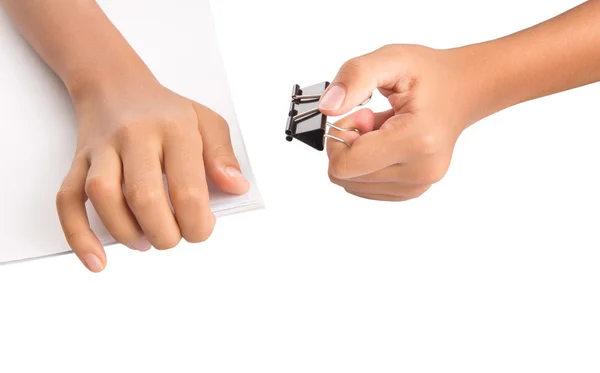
(359, 77)
(222, 167)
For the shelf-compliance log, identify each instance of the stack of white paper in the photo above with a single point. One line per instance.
(38, 128)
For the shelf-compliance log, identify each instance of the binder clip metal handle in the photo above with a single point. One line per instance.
(306, 123)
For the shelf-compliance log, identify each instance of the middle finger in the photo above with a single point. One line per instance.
(146, 195)
(184, 166)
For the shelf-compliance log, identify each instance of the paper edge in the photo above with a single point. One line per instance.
(255, 200)
(220, 214)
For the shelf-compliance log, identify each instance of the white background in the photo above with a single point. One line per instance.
(495, 269)
(43, 153)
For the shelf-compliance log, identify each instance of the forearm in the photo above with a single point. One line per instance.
(76, 40)
(560, 54)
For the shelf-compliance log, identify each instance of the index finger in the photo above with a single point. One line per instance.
(72, 214)
(359, 77)
(371, 152)
(362, 120)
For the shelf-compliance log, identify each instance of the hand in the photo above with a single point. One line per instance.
(402, 152)
(130, 133)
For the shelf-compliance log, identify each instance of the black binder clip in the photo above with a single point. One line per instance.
(306, 123)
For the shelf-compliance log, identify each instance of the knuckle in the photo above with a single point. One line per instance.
(220, 121)
(204, 115)
(434, 173)
(352, 67)
(131, 131)
(222, 151)
(168, 242)
(426, 144)
(128, 132)
(72, 236)
(73, 239)
(183, 196)
(65, 194)
(398, 126)
(416, 192)
(338, 167)
(175, 127)
(99, 187)
(142, 195)
(389, 48)
(428, 176)
(332, 178)
(202, 233)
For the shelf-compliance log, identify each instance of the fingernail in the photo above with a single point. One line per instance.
(141, 244)
(333, 98)
(233, 172)
(93, 263)
(242, 184)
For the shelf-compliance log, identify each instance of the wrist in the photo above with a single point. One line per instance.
(106, 80)
(487, 80)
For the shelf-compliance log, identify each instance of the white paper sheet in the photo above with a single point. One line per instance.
(177, 41)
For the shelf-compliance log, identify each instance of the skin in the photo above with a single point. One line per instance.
(436, 94)
(131, 129)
